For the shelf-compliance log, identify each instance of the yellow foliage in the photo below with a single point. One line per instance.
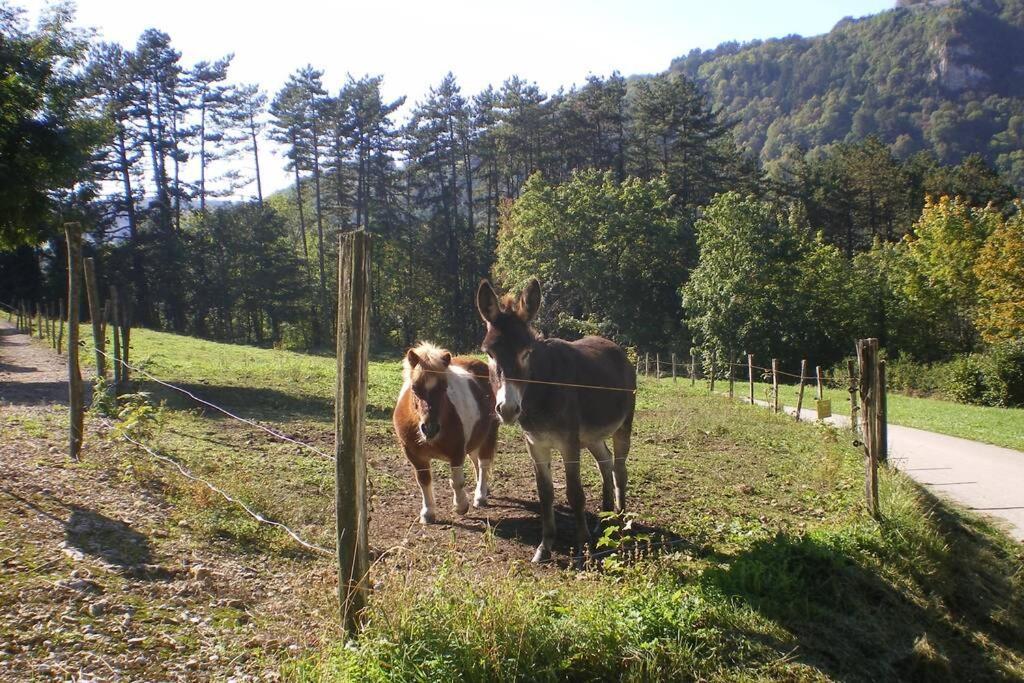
(999, 270)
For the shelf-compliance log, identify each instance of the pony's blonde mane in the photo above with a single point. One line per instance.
(431, 359)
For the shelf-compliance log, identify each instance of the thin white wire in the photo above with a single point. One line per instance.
(228, 497)
(188, 393)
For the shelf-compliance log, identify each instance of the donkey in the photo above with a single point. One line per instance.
(445, 410)
(565, 395)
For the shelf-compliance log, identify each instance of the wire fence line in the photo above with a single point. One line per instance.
(259, 517)
(686, 366)
(186, 392)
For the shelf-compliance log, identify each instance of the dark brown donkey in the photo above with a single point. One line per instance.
(566, 395)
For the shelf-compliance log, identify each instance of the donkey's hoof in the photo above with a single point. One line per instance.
(427, 517)
(542, 555)
(462, 509)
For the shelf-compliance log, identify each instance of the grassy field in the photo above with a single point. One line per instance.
(747, 556)
(999, 426)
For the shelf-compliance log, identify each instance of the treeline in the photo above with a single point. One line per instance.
(605, 191)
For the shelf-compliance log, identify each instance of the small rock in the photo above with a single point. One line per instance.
(199, 573)
(97, 609)
(745, 489)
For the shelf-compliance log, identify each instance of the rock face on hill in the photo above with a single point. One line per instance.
(944, 76)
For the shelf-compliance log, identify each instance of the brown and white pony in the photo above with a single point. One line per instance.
(566, 395)
(445, 410)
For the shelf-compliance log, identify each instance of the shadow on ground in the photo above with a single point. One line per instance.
(852, 624)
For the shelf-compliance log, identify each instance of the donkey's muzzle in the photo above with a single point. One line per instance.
(508, 413)
(430, 429)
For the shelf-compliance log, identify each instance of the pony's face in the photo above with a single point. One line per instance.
(428, 382)
(508, 344)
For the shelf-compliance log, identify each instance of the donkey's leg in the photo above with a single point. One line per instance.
(620, 442)
(604, 463)
(429, 512)
(574, 492)
(541, 454)
(458, 481)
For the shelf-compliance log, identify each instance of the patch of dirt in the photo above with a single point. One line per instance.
(31, 373)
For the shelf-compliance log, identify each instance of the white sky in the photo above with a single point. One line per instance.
(413, 44)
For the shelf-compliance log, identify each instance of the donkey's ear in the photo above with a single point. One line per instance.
(411, 359)
(446, 358)
(529, 301)
(487, 302)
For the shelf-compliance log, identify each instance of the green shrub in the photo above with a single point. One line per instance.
(1004, 374)
(965, 382)
(907, 376)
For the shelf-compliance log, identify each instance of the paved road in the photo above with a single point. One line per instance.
(988, 479)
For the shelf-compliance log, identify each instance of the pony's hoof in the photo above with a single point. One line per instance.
(427, 517)
(462, 509)
(542, 555)
(480, 502)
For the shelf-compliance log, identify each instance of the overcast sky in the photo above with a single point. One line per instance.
(414, 43)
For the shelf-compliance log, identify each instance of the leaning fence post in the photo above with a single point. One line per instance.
(800, 392)
(750, 375)
(673, 367)
(853, 396)
(93, 292)
(867, 355)
(350, 425)
(75, 399)
(775, 385)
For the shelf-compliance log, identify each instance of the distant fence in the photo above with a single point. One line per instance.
(864, 381)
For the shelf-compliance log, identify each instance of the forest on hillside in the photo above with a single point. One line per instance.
(941, 77)
(635, 200)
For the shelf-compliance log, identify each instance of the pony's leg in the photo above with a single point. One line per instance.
(458, 481)
(620, 442)
(541, 454)
(482, 459)
(574, 492)
(429, 512)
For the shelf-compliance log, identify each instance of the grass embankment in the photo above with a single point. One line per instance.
(769, 570)
(998, 426)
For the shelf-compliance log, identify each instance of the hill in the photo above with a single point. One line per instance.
(941, 76)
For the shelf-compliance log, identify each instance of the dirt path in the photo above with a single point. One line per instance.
(102, 580)
(981, 477)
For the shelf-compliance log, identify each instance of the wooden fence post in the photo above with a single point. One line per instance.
(853, 396)
(775, 385)
(673, 367)
(60, 335)
(750, 374)
(867, 355)
(800, 392)
(114, 312)
(95, 313)
(126, 339)
(821, 383)
(657, 366)
(76, 404)
(693, 368)
(883, 415)
(350, 425)
(732, 374)
(711, 380)
(647, 364)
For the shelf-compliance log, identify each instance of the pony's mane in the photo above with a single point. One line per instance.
(431, 358)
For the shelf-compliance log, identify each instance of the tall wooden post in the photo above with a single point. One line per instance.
(851, 370)
(867, 355)
(821, 384)
(673, 367)
(125, 322)
(350, 425)
(657, 366)
(732, 374)
(750, 375)
(693, 368)
(75, 398)
(95, 315)
(775, 385)
(800, 392)
(647, 364)
(883, 415)
(714, 371)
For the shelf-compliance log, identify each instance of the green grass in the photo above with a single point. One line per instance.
(769, 569)
(998, 426)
